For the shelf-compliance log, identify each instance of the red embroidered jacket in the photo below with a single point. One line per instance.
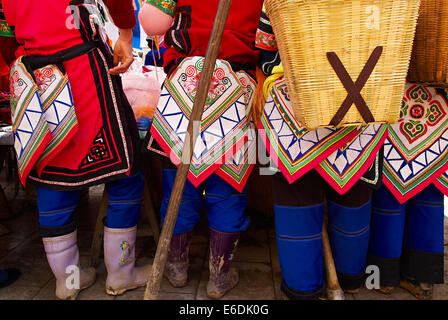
(48, 26)
(193, 22)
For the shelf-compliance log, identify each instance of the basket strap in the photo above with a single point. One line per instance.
(354, 89)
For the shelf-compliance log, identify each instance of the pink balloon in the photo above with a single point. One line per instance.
(154, 21)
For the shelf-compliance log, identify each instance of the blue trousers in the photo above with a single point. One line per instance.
(407, 239)
(224, 205)
(56, 208)
(299, 213)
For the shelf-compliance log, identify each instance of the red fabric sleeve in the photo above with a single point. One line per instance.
(122, 12)
(9, 11)
(4, 69)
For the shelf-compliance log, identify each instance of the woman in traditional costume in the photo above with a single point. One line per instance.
(406, 241)
(338, 166)
(225, 150)
(73, 128)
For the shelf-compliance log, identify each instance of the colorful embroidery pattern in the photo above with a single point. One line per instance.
(99, 151)
(265, 38)
(344, 167)
(189, 81)
(415, 120)
(237, 170)
(42, 113)
(293, 148)
(224, 125)
(57, 104)
(265, 41)
(416, 151)
(442, 183)
(5, 30)
(126, 255)
(107, 98)
(167, 6)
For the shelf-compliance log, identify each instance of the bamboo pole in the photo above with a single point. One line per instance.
(153, 285)
(334, 291)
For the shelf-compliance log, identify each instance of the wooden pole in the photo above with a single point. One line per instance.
(334, 291)
(153, 285)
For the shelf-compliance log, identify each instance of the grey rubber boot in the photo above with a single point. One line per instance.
(62, 255)
(119, 258)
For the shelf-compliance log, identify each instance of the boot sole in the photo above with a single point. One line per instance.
(386, 290)
(352, 291)
(118, 292)
(176, 284)
(221, 294)
(416, 291)
(217, 296)
(75, 295)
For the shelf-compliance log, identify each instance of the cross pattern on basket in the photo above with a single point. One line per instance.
(354, 89)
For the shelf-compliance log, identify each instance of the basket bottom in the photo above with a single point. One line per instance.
(430, 83)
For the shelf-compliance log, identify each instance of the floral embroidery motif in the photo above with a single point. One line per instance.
(44, 78)
(284, 91)
(414, 120)
(224, 126)
(16, 87)
(265, 41)
(189, 81)
(167, 6)
(416, 150)
(126, 249)
(248, 89)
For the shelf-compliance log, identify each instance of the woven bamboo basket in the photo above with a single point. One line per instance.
(429, 59)
(307, 29)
